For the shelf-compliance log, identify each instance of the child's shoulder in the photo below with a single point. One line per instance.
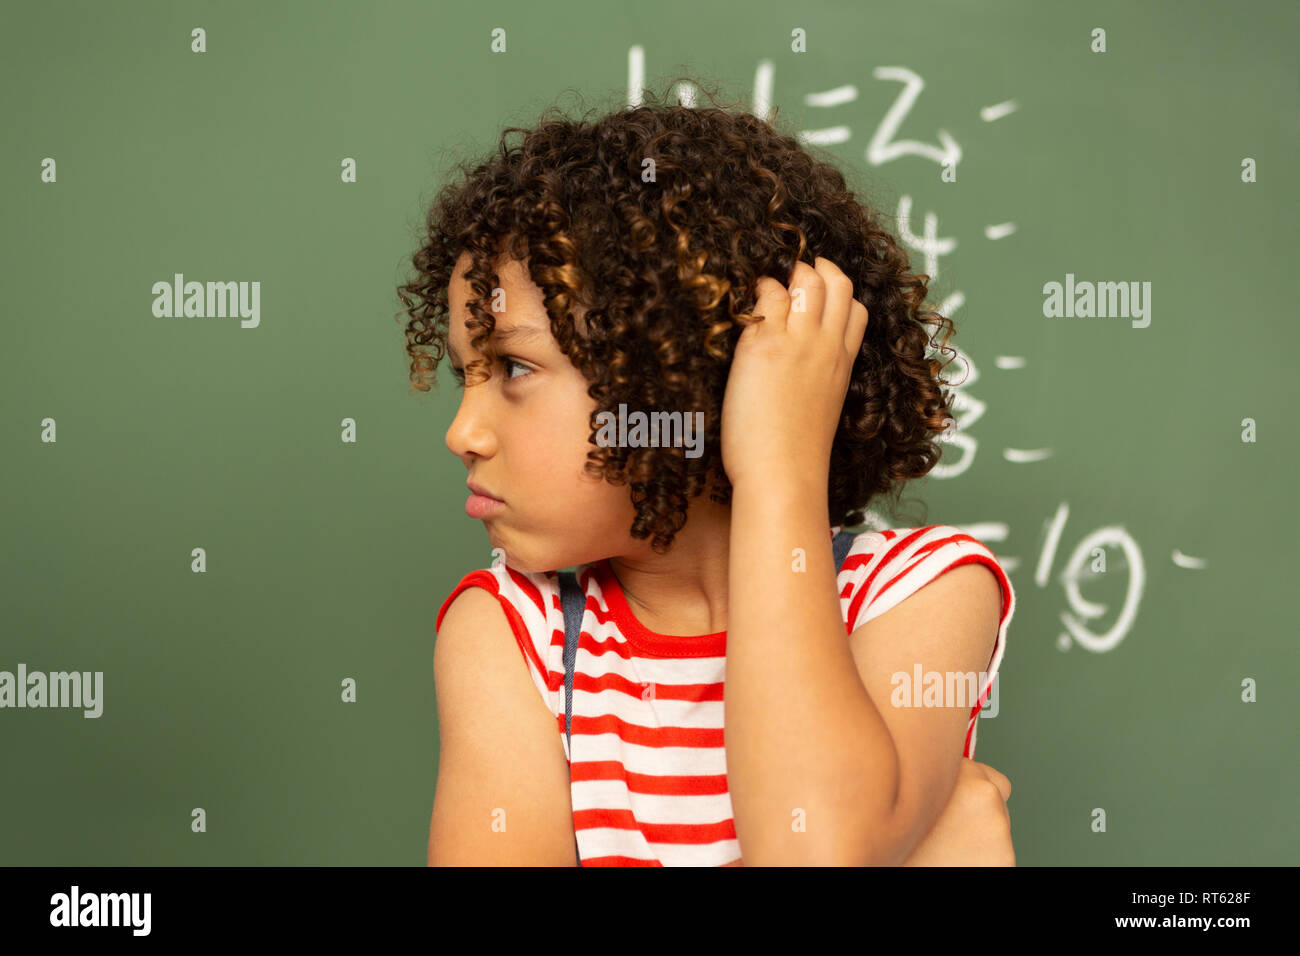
(886, 565)
(529, 594)
(896, 543)
(531, 604)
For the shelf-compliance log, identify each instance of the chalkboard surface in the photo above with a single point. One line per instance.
(245, 522)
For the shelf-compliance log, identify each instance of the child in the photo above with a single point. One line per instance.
(623, 264)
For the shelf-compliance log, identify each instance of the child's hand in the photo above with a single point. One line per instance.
(974, 829)
(790, 373)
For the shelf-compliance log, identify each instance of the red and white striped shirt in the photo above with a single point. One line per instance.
(648, 776)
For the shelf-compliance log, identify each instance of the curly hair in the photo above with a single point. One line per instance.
(658, 220)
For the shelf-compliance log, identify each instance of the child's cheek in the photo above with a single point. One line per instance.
(551, 450)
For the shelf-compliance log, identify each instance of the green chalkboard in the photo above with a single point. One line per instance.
(229, 516)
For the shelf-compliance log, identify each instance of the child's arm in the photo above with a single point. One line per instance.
(502, 794)
(974, 828)
(823, 768)
(947, 628)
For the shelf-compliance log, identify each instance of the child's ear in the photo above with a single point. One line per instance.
(580, 319)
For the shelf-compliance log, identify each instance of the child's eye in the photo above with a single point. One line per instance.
(507, 362)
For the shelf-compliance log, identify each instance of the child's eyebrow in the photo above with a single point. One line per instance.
(518, 333)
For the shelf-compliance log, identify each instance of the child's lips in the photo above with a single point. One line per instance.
(481, 506)
(480, 490)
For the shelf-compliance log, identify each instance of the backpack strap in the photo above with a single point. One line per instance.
(573, 602)
(840, 546)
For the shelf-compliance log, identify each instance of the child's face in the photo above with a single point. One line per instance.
(523, 435)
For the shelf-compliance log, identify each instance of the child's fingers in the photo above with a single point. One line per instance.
(808, 291)
(838, 297)
(773, 303)
(997, 778)
(856, 328)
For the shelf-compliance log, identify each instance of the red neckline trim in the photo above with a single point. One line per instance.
(641, 637)
(652, 643)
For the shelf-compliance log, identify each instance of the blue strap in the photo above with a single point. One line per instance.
(840, 546)
(574, 602)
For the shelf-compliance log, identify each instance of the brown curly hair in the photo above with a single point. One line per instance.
(665, 265)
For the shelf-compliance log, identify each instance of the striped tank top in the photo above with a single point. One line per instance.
(648, 777)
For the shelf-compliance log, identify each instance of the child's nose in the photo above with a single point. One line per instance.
(469, 433)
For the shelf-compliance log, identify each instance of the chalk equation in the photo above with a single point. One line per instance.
(1098, 553)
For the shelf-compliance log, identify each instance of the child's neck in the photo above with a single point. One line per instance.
(683, 592)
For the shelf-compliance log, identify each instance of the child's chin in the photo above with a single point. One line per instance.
(525, 564)
(535, 566)
(533, 560)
